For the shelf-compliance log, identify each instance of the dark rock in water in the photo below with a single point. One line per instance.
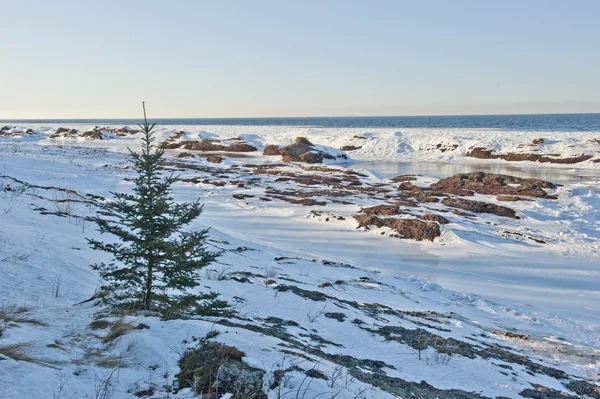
(407, 228)
(61, 130)
(403, 178)
(485, 153)
(493, 184)
(480, 207)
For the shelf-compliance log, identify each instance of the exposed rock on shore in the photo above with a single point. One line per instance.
(480, 207)
(494, 184)
(485, 153)
(304, 151)
(407, 228)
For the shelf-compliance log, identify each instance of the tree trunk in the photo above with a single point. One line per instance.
(148, 295)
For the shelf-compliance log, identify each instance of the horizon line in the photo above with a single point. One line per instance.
(296, 117)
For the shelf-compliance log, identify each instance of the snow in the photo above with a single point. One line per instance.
(488, 282)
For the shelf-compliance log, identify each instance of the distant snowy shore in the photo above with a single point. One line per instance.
(559, 149)
(361, 286)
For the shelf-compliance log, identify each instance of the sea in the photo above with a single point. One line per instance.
(533, 122)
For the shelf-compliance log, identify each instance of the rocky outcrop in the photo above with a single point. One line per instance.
(404, 178)
(493, 184)
(301, 151)
(350, 147)
(434, 218)
(480, 207)
(214, 159)
(485, 153)
(271, 150)
(406, 228)
(206, 145)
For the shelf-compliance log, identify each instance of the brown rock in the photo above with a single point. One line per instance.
(403, 178)
(214, 159)
(484, 153)
(185, 155)
(434, 218)
(479, 207)
(350, 148)
(382, 210)
(407, 228)
(512, 198)
(271, 150)
(311, 157)
(493, 184)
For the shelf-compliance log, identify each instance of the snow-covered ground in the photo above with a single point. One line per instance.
(473, 284)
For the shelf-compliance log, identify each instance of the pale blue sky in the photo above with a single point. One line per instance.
(93, 59)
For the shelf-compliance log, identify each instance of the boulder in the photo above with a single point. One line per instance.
(271, 150)
(480, 207)
(485, 153)
(304, 151)
(406, 228)
(493, 184)
(214, 159)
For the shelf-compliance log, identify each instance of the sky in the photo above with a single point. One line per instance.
(262, 58)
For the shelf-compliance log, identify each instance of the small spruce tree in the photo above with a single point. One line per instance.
(155, 261)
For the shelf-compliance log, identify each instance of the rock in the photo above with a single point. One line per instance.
(403, 178)
(205, 145)
(311, 157)
(61, 130)
(185, 155)
(479, 207)
(581, 387)
(407, 228)
(350, 147)
(215, 367)
(236, 376)
(511, 198)
(271, 150)
(493, 184)
(541, 392)
(382, 210)
(537, 141)
(434, 218)
(214, 159)
(305, 151)
(485, 153)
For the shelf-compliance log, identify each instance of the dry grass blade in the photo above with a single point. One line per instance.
(16, 314)
(19, 352)
(121, 327)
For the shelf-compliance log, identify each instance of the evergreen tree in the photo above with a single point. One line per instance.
(154, 260)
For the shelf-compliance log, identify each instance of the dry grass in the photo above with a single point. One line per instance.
(21, 352)
(112, 362)
(13, 314)
(119, 328)
(100, 324)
